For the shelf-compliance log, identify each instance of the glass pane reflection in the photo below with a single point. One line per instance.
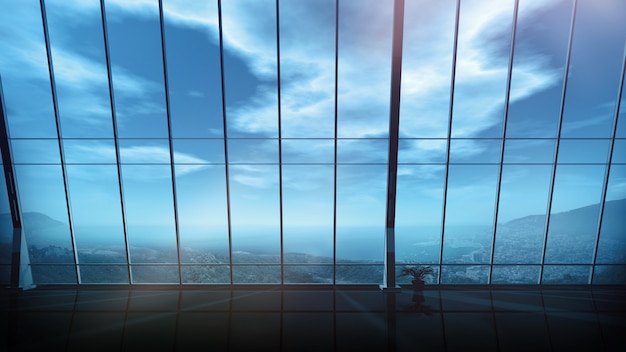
(96, 213)
(308, 210)
(150, 214)
(522, 214)
(419, 208)
(193, 65)
(515, 274)
(255, 217)
(612, 243)
(566, 274)
(574, 214)
(44, 213)
(469, 213)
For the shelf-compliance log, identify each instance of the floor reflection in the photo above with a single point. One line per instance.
(314, 319)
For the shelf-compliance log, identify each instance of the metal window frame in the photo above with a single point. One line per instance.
(449, 137)
(57, 118)
(107, 54)
(225, 138)
(558, 137)
(507, 100)
(13, 199)
(169, 134)
(607, 174)
(389, 280)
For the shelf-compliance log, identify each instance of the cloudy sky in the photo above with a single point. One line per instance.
(307, 110)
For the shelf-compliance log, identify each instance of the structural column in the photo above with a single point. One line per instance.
(389, 280)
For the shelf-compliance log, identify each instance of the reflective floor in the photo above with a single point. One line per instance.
(315, 319)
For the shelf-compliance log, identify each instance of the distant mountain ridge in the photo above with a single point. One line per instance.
(44, 230)
(580, 220)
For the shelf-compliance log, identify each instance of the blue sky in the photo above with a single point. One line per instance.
(307, 54)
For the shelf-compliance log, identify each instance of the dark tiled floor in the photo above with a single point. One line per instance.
(314, 319)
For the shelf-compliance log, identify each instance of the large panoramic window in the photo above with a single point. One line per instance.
(252, 142)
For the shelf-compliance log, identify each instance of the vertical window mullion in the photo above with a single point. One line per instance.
(449, 135)
(226, 164)
(335, 143)
(55, 106)
(558, 138)
(392, 162)
(115, 137)
(608, 166)
(280, 153)
(507, 99)
(169, 139)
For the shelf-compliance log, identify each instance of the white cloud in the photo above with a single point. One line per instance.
(195, 94)
(185, 163)
(308, 63)
(260, 177)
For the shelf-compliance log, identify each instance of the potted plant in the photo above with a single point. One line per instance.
(418, 273)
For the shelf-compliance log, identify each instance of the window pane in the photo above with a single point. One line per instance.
(599, 36)
(154, 274)
(539, 62)
(309, 274)
(574, 214)
(475, 151)
(193, 68)
(422, 151)
(612, 245)
(256, 274)
(149, 214)
(522, 214)
(361, 202)
(419, 207)
(35, 151)
(144, 151)
(609, 275)
(484, 44)
(202, 214)
(198, 151)
(365, 33)
(515, 274)
(253, 151)
(566, 274)
(359, 274)
(529, 151)
(249, 32)
(53, 274)
(137, 69)
(103, 274)
(44, 213)
(308, 151)
(25, 75)
(205, 274)
(308, 209)
(355, 151)
(464, 274)
(426, 61)
(96, 213)
(583, 151)
(469, 213)
(307, 68)
(255, 214)
(80, 70)
(89, 151)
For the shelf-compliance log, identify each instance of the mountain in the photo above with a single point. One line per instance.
(579, 221)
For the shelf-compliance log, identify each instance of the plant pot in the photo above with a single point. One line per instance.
(418, 284)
